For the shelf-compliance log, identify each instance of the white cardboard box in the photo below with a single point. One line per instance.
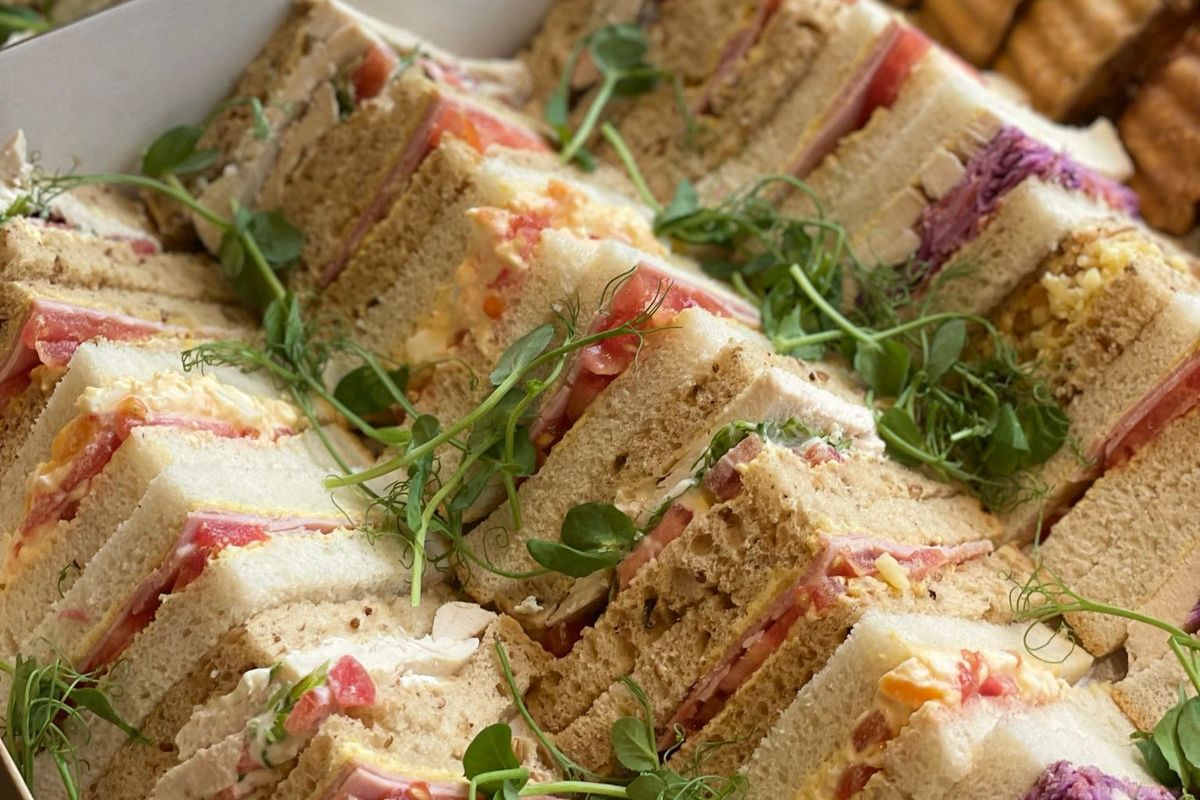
(91, 95)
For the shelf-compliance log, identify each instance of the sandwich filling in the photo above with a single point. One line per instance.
(203, 536)
(652, 290)
(362, 781)
(1062, 780)
(874, 84)
(931, 682)
(235, 743)
(843, 566)
(448, 114)
(715, 478)
(1010, 158)
(735, 51)
(504, 240)
(110, 413)
(52, 332)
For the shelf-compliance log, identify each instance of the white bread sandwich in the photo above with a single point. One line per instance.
(168, 481)
(107, 392)
(42, 323)
(736, 391)
(1129, 540)
(1080, 744)
(1008, 725)
(431, 686)
(466, 226)
(232, 586)
(1110, 320)
(730, 619)
(939, 102)
(144, 535)
(903, 704)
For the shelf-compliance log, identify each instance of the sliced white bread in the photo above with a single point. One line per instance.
(1085, 729)
(227, 481)
(47, 570)
(806, 750)
(103, 373)
(239, 583)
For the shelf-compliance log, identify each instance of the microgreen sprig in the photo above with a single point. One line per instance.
(1172, 749)
(492, 440)
(20, 19)
(491, 765)
(976, 416)
(44, 702)
(619, 54)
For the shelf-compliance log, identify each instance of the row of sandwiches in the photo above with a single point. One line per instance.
(1126, 60)
(793, 595)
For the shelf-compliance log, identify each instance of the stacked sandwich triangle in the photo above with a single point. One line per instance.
(493, 380)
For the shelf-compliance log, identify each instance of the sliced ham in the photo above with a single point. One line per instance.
(850, 108)
(474, 124)
(724, 479)
(52, 331)
(1171, 399)
(204, 535)
(840, 561)
(595, 367)
(86, 445)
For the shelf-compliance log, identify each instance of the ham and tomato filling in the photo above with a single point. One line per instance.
(204, 535)
(649, 299)
(446, 115)
(504, 239)
(948, 680)
(51, 333)
(875, 83)
(840, 563)
(85, 445)
(369, 782)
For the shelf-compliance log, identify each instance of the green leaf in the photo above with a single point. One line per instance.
(899, 422)
(559, 557)
(281, 242)
(883, 366)
(98, 703)
(262, 126)
(632, 746)
(232, 255)
(1046, 427)
(173, 148)
(363, 392)
(945, 349)
(1008, 449)
(596, 527)
(490, 751)
(684, 203)
(274, 322)
(1166, 739)
(393, 435)
(522, 352)
(1188, 731)
(556, 111)
(618, 47)
(1156, 765)
(471, 489)
(646, 787)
